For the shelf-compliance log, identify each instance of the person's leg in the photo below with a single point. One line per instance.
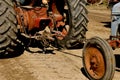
(114, 27)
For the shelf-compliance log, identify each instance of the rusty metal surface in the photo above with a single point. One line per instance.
(94, 62)
(114, 43)
(37, 18)
(32, 17)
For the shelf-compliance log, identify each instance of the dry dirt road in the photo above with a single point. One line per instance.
(64, 64)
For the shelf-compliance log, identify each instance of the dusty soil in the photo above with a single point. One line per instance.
(62, 65)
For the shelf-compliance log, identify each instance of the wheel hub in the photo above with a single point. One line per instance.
(94, 62)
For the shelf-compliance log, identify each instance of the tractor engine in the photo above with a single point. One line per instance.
(33, 20)
(36, 19)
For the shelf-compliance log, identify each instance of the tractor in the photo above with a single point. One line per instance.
(42, 24)
(98, 58)
(53, 23)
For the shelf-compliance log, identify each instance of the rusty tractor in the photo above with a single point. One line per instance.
(41, 23)
(53, 23)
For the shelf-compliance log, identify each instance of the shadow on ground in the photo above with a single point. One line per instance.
(10, 55)
(40, 51)
(107, 24)
(117, 60)
(83, 71)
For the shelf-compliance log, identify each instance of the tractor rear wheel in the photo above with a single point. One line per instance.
(9, 42)
(76, 20)
(98, 59)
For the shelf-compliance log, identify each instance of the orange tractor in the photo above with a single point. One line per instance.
(41, 23)
(53, 23)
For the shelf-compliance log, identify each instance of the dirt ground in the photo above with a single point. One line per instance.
(62, 65)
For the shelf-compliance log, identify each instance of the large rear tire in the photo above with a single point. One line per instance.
(76, 19)
(98, 59)
(9, 42)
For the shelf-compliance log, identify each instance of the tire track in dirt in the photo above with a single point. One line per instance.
(28, 66)
(99, 24)
(11, 69)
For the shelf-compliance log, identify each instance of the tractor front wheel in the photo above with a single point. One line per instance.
(98, 59)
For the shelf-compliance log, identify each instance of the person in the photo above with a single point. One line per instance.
(115, 20)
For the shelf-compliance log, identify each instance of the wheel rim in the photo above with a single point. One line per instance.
(94, 62)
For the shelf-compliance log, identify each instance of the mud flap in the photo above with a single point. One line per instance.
(98, 59)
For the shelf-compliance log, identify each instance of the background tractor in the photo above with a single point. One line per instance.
(98, 58)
